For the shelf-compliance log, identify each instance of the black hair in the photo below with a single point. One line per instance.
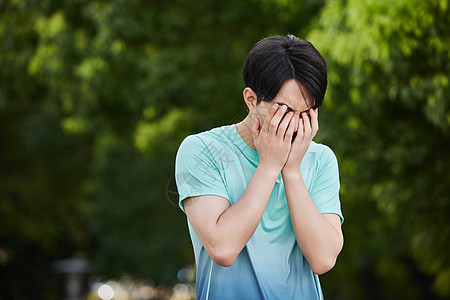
(276, 59)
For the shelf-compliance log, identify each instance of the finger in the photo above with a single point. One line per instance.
(272, 112)
(255, 129)
(314, 121)
(306, 126)
(300, 133)
(275, 122)
(297, 117)
(290, 130)
(284, 124)
(269, 116)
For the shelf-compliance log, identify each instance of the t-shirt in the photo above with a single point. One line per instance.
(271, 265)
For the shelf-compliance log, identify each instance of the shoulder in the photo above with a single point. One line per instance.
(325, 159)
(322, 151)
(212, 138)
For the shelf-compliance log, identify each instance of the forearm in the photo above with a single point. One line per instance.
(318, 240)
(236, 225)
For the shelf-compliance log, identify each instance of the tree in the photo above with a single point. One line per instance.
(387, 116)
(95, 98)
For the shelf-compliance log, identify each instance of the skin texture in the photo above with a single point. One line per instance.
(269, 128)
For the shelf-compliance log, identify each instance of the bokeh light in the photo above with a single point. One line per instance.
(105, 292)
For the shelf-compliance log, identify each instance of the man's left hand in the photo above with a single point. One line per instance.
(307, 129)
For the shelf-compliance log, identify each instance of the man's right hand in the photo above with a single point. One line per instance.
(273, 139)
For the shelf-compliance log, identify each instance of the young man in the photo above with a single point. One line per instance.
(262, 199)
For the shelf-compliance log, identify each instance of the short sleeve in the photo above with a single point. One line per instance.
(325, 189)
(196, 171)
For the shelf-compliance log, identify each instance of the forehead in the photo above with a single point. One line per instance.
(294, 96)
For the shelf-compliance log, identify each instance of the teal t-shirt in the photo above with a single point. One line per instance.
(271, 265)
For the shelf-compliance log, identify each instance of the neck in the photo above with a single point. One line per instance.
(244, 130)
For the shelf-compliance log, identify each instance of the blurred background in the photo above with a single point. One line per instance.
(96, 96)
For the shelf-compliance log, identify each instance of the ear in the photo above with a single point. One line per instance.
(250, 98)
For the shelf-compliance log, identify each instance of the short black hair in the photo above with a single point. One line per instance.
(276, 59)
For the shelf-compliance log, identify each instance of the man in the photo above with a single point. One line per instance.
(262, 199)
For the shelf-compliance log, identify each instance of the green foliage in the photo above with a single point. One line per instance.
(95, 98)
(389, 84)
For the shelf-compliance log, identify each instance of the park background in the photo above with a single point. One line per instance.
(96, 97)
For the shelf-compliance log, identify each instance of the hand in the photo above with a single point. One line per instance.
(307, 129)
(273, 139)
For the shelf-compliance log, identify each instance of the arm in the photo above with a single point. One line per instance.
(319, 236)
(223, 229)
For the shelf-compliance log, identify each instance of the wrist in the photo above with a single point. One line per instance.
(291, 173)
(269, 170)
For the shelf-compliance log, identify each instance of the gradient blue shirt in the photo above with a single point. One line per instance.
(271, 265)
